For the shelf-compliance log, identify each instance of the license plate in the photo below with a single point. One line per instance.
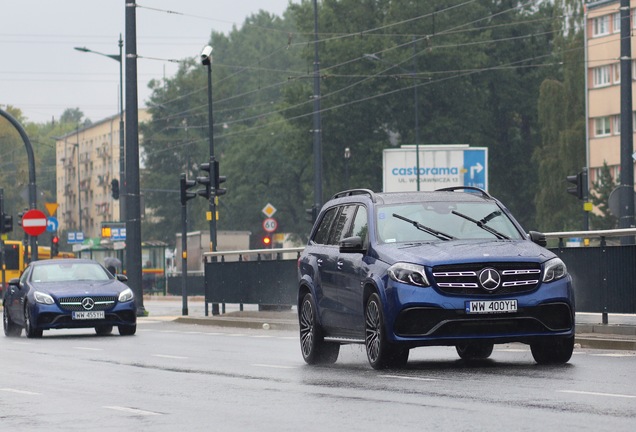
(491, 306)
(88, 315)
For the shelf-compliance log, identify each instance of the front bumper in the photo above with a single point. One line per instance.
(423, 316)
(53, 317)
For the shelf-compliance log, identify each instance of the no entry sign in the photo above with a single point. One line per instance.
(34, 222)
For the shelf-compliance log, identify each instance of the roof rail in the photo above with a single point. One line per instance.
(352, 192)
(473, 188)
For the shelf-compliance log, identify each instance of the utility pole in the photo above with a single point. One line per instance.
(317, 130)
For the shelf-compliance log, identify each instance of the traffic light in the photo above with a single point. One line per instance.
(114, 188)
(206, 180)
(6, 223)
(312, 214)
(267, 241)
(579, 181)
(55, 246)
(185, 185)
(218, 179)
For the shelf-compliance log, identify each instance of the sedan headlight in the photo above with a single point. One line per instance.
(126, 295)
(43, 298)
(555, 269)
(411, 274)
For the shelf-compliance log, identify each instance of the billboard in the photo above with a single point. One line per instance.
(439, 166)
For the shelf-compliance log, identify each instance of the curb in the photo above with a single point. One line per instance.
(238, 322)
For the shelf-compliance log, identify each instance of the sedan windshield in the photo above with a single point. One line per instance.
(453, 220)
(64, 272)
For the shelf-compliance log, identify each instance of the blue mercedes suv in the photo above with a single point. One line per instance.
(395, 271)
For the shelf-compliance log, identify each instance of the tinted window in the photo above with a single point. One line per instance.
(322, 233)
(343, 220)
(360, 226)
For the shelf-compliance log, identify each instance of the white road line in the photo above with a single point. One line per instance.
(10, 390)
(275, 366)
(131, 410)
(88, 349)
(170, 356)
(512, 350)
(407, 378)
(612, 355)
(598, 394)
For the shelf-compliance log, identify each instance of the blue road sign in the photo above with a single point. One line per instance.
(52, 224)
(476, 168)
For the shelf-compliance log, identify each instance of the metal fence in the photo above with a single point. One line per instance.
(604, 274)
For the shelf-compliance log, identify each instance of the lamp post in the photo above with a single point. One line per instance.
(347, 156)
(122, 167)
(374, 57)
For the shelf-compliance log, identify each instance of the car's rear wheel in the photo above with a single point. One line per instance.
(381, 353)
(31, 329)
(127, 330)
(474, 350)
(11, 329)
(312, 344)
(104, 330)
(553, 350)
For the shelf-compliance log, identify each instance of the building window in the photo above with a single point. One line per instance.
(602, 126)
(617, 73)
(616, 22)
(601, 76)
(600, 26)
(616, 126)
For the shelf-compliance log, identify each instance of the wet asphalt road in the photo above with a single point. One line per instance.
(172, 377)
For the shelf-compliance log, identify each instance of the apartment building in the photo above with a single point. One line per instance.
(88, 159)
(603, 84)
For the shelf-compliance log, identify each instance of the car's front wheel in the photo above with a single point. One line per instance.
(127, 330)
(381, 353)
(104, 330)
(11, 329)
(32, 331)
(553, 350)
(474, 350)
(312, 344)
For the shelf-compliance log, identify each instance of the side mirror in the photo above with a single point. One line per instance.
(15, 282)
(121, 277)
(538, 238)
(352, 245)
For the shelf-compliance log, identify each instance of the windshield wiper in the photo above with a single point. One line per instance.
(481, 224)
(440, 235)
(490, 216)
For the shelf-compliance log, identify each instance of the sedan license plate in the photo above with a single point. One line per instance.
(88, 315)
(491, 306)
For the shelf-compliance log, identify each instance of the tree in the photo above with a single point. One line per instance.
(599, 196)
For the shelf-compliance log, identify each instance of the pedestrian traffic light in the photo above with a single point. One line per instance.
(580, 184)
(6, 222)
(55, 246)
(218, 179)
(206, 180)
(114, 188)
(185, 185)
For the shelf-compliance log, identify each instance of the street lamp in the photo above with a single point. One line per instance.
(122, 168)
(374, 57)
(347, 156)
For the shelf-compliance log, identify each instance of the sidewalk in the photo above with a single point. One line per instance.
(618, 334)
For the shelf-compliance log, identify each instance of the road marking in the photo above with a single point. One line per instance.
(275, 366)
(10, 390)
(89, 349)
(512, 350)
(612, 355)
(403, 377)
(169, 356)
(131, 410)
(598, 394)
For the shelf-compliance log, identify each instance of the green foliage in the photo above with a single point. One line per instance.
(599, 196)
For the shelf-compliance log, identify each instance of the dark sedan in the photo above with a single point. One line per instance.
(68, 293)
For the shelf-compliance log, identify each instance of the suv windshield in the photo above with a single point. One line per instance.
(412, 222)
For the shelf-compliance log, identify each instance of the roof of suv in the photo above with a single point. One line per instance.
(448, 194)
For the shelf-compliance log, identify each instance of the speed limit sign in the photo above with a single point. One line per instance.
(270, 224)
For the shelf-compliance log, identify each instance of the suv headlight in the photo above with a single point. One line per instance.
(555, 269)
(126, 295)
(411, 274)
(43, 298)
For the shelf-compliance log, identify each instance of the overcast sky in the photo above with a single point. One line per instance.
(42, 74)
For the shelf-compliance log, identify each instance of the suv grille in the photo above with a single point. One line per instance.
(75, 303)
(463, 279)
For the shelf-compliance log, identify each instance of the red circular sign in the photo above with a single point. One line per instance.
(34, 222)
(270, 224)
